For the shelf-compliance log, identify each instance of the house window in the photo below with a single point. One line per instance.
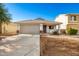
(73, 18)
(51, 27)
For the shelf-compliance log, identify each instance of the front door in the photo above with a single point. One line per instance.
(44, 28)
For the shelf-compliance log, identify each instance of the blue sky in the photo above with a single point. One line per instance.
(49, 11)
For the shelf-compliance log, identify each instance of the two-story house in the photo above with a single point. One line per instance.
(68, 21)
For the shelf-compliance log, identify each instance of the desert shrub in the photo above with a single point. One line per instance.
(55, 33)
(72, 31)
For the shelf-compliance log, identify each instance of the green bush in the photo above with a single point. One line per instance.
(72, 31)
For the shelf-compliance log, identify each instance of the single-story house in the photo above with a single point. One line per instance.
(36, 26)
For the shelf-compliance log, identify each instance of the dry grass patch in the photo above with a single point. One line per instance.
(60, 47)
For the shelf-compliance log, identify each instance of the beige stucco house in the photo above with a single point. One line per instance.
(68, 21)
(36, 26)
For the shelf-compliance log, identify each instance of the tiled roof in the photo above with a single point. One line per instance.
(38, 21)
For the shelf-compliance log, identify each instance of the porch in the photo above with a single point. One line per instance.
(50, 27)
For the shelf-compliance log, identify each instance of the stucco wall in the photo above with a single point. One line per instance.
(9, 28)
(41, 27)
(75, 26)
(63, 19)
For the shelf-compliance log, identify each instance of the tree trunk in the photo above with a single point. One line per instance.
(0, 28)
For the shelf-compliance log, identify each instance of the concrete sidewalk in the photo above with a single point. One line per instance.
(20, 45)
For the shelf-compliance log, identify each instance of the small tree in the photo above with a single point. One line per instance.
(72, 31)
(4, 16)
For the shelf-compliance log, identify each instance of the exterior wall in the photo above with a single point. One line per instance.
(63, 19)
(69, 19)
(9, 28)
(41, 27)
(18, 27)
(29, 29)
(73, 24)
(48, 29)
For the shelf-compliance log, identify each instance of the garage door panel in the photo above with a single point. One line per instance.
(30, 29)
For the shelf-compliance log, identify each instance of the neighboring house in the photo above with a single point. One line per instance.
(10, 28)
(68, 21)
(36, 26)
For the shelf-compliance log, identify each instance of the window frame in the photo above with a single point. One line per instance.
(51, 27)
(73, 18)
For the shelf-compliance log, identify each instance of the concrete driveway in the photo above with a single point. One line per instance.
(20, 45)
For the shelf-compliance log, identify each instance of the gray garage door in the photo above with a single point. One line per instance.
(29, 29)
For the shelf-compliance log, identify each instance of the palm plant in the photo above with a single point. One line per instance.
(5, 17)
